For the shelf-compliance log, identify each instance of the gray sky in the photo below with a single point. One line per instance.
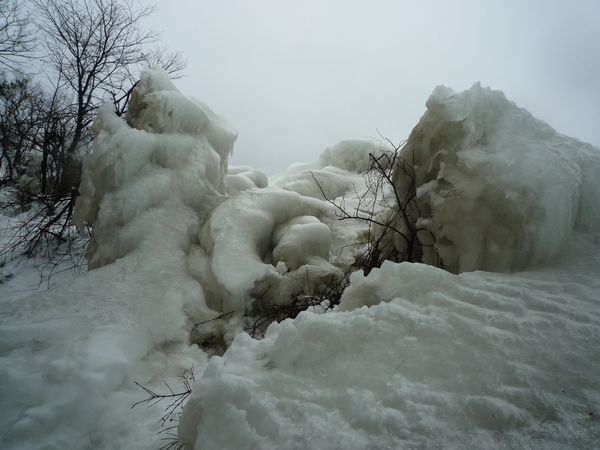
(295, 77)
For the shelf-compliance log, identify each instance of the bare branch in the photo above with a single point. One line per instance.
(16, 38)
(388, 174)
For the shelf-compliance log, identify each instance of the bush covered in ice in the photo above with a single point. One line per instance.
(261, 247)
(154, 175)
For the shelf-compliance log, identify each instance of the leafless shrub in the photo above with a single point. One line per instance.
(324, 299)
(389, 208)
(173, 410)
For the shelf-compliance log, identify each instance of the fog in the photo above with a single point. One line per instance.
(296, 77)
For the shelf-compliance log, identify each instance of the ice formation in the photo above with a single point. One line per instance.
(149, 183)
(497, 189)
(335, 173)
(418, 357)
(151, 179)
(244, 244)
(240, 178)
(352, 155)
(185, 247)
(266, 243)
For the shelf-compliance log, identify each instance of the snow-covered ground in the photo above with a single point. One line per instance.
(500, 351)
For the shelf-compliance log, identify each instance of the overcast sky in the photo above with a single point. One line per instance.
(295, 77)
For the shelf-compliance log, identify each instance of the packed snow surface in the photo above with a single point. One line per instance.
(185, 249)
(424, 359)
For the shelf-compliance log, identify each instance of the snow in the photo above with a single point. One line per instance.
(185, 249)
(432, 360)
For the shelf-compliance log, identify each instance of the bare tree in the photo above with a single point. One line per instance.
(94, 52)
(90, 44)
(97, 49)
(16, 37)
(18, 129)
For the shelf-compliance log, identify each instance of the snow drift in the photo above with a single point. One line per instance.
(476, 361)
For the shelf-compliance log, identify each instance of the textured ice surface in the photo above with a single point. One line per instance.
(497, 189)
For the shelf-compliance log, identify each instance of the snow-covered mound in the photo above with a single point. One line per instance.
(497, 189)
(471, 361)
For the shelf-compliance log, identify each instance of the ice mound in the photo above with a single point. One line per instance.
(323, 184)
(338, 171)
(260, 247)
(497, 189)
(352, 155)
(69, 357)
(153, 175)
(300, 240)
